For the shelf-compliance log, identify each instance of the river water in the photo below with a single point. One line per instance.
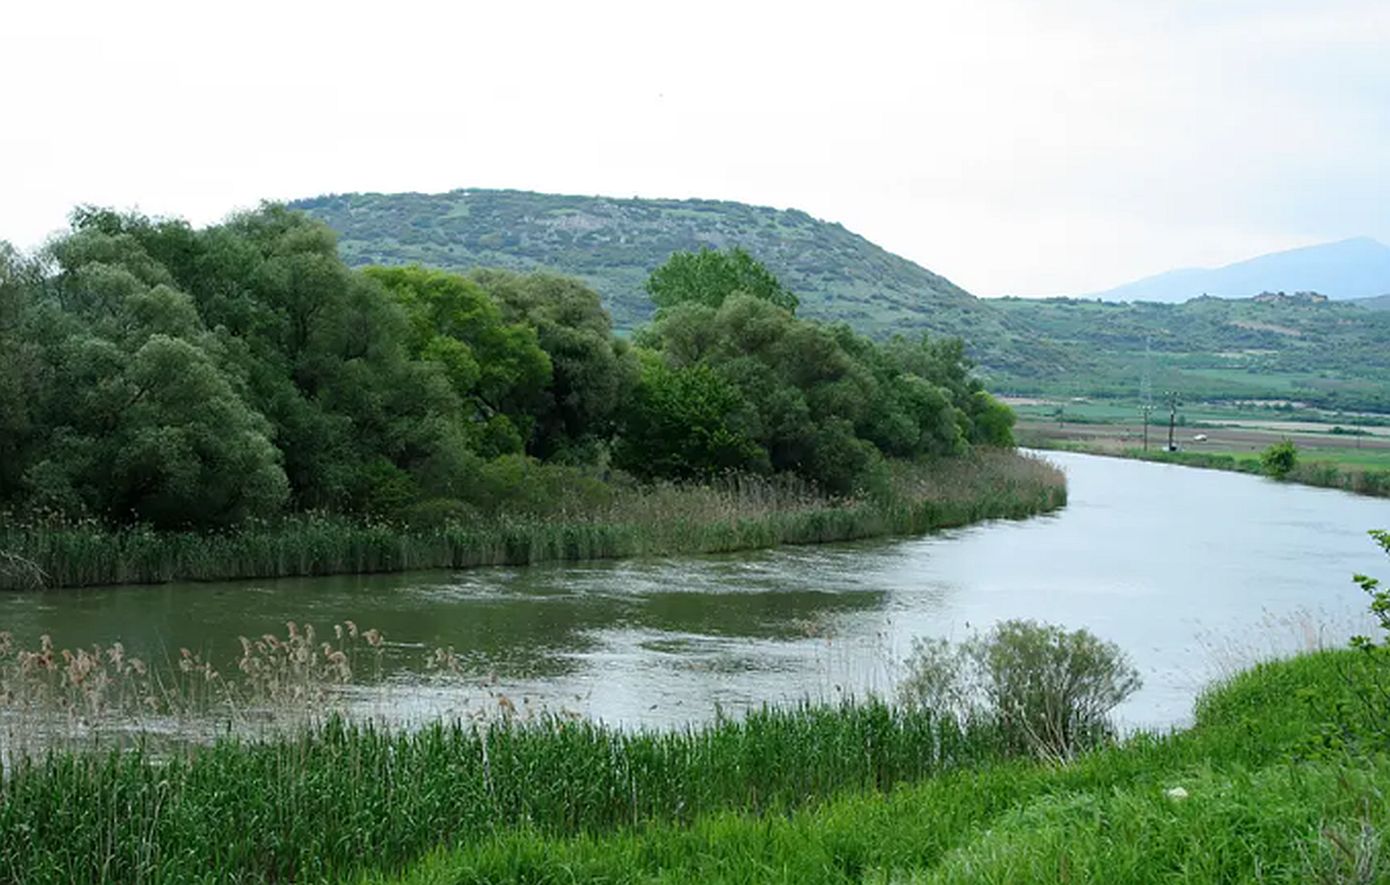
(1193, 573)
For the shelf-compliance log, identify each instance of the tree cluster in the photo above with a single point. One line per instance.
(733, 380)
(152, 372)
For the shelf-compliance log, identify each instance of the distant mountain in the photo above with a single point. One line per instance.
(1380, 302)
(614, 244)
(1356, 268)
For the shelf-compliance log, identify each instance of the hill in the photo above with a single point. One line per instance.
(613, 244)
(1380, 302)
(1273, 347)
(1356, 268)
(1281, 347)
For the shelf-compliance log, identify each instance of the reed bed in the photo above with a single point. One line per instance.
(52, 696)
(330, 801)
(740, 513)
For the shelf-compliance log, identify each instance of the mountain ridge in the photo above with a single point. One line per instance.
(1344, 270)
(614, 243)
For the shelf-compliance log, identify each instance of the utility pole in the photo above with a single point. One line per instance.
(1173, 403)
(1146, 390)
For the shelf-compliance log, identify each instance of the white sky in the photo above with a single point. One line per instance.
(1017, 147)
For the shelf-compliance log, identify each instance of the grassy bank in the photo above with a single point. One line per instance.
(844, 794)
(1349, 474)
(639, 521)
(1259, 801)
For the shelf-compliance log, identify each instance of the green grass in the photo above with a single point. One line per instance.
(1194, 414)
(854, 793)
(1260, 807)
(660, 520)
(1350, 458)
(1367, 473)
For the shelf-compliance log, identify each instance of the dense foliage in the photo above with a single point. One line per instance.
(795, 395)
(157, 374)
(709, 276)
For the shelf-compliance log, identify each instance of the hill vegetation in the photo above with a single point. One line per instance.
(1277, 348)
(1328, 354)
(614, 244)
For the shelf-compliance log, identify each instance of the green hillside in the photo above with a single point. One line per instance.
(1276, 347)
(1281, 347)
(613, 244)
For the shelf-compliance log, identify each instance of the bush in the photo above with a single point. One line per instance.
(1050, 689)
(1280, 459)
(1378, 652)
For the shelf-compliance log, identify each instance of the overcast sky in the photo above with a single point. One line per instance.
(1016, 147)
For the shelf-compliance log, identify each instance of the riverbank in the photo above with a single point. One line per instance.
(641, 521)
(1267, 783)
(1266, 786)
(1357, 471)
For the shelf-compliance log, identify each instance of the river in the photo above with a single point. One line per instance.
(1191, 572)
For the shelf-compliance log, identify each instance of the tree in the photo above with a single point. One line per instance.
(146, 418)
(686, 423)
(593, 373)
(19, 368)
(186, 450)
(497, 366)
(992, 422)
(709, 276)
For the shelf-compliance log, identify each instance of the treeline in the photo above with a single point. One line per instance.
(174, 377)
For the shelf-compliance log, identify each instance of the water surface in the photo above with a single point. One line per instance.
(1192, 572)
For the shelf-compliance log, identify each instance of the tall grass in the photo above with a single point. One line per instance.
(336, 799)
(738, 514)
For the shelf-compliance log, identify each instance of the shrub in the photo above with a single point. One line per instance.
(1280, 459)
(1051, 690)
(1379, 652)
